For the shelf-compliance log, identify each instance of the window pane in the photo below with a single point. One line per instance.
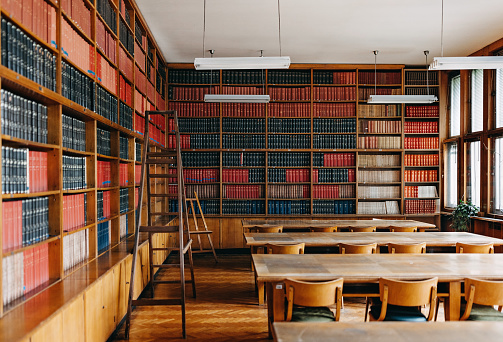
(498, 176)
(499, 98)
(455, 112)
(473, 173)
(452, 175)
(477, 100)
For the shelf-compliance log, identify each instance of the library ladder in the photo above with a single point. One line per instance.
(166, 165)
(204, 231)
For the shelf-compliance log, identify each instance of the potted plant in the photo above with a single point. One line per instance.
(461, 215)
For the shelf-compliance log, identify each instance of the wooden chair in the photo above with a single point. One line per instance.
(487, 248)
(402, 229)
(261, 229)
(346, 248)
(285, 249)
(407, 248)
(401, 300)
(481, 296)
(308, 301)
(323, 229)
(198, 232)
(362, 229)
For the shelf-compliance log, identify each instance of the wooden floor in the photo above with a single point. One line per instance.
(225, 309)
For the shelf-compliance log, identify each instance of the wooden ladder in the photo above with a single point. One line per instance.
(204, 231)
(166, 164)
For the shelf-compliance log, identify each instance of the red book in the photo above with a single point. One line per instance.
(36, 267)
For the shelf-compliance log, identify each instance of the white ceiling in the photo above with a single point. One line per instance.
(323, 31)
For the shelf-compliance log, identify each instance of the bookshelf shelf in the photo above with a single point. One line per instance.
(12, 141)
(30, 195)
(76, 230)
(27, 247)
(78, 191)
(73, 152)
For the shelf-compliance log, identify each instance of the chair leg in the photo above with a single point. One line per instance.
(261, 292)
(436, 310)
(367, 302)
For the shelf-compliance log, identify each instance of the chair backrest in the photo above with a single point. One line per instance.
(402, 229)
(362, 229)
(408, 293)
(323, 229)
(487, 248)
(274, 229)
(313, 294)
(483, 292)
(285, 249)
(407, 248)
(346, 248)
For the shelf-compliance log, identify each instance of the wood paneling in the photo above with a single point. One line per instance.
(73, 321)
(51, 331)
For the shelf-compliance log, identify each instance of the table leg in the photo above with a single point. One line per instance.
(260, 290)
(275, 297)
(453, 302)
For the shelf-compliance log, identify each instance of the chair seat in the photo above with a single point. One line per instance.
(483, 313)
(312, 314)
(399, 313)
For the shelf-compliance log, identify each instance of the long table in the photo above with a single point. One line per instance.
(387, 331)
(304, 224)
(452, 269)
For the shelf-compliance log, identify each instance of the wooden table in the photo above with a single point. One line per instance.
(387, 331)
(273, 269)
(304, 224)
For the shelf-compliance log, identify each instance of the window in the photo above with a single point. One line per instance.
(455, 112)
(477, 99)
(473, 178)
(498, 176)
(499, 98)
(451, 187)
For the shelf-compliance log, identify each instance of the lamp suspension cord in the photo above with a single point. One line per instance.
(204, 25)
(375, 71)
(426, 63)
(442, 32)
(279, 29)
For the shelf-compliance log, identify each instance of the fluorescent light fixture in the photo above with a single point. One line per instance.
(402, 99)
(467, 63)
(232, 63)
(231, 98)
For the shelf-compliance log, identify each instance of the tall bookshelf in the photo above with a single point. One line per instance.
(317, 149)
(94, 70)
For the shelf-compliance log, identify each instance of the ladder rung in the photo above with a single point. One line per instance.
(161, 249)
(158, 229)
(161, 154)
(162, 175)
(202, 251)
(153, 301)
(165, 265)
(196, 232)
(160, 195)
(187, 281)
(161, 213)
(160, 161)
(187, 246)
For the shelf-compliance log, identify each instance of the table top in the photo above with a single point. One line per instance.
(315, 239)
(360, 268)
(292, 224)
(387, 331)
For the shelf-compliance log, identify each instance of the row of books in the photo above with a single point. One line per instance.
(339, 141)
(378, 208)
(107, 12)
(125, 64)
(378, 160)
(197, 159)
(334, 93)
(236, 141)
(386, 142)
(288, 141)
(211, 207)
(334, 159)
(421, 143)
(106, 104)
(190, 93)
(103, 142)
(74, 173)
(421, 207)
(74, 133)
(126, 116)
(242, 90)
(421, 78)
(194, 77)
(334, 191)
(202, 125)
(123, 147)
(124, 11)
(104, 174)
(23, 171)
(139, 102)
(235, 109)
(123, 174)
(126, 37)
(238, 125)
(105, 41)
(422, 111)
(137, 150)
(26, 57)
(206, 141)
(421, 127)
(23, 118)
(289, 77)
(381, 126)
(243, 207)
(288, 175)
(77, 49)
(204, 175)
(334, 109)
(123, 225)
(290, 94)
(123, 200)
(140, 35)
(334, 175)
(421, 160)
(230, 159)
(243, 77)
(243, 175)
(158, 120)
(203, 191)
(364, 93)
(24, 272)
(275, 207)
(242, 191)
(125, 93)
(420, 191)
(77, 87)
(104, 235)
(139, 124)
(379, 77)
(106, 74)
(421, 91)
(421, 176)
(386, 191)
(288, 159)
(157, 136)
(288, 191)
(333, 207)
(288, 110)
(334, 125)
(288, 125)
(334, 77)
(74, 211)
(139, 57)
(378, 176)
(372, 111)
(24, 222)
(140, 80)
(75, 249)
(103, 205)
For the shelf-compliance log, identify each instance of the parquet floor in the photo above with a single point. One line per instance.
(225, 309)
